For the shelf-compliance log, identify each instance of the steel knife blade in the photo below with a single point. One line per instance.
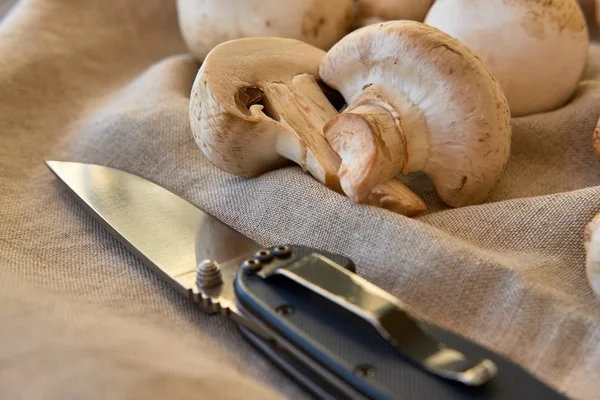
(336, 333)
(167, 233)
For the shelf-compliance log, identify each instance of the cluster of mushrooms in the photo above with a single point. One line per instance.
(357, 94)
(360, 92)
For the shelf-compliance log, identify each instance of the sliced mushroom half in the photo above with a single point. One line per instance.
(256, 103)
(418, 100)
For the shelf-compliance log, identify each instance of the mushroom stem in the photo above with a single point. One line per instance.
(294, 109)
(370, 141)
(395, 196)
(312, 106)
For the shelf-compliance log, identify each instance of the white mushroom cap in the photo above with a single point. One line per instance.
(207, 23)
(592, 246)
(372, 11)
(419, 100)
(256, 103)
(537, 49)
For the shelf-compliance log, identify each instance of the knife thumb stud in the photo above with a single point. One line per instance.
(251, 265)
(264, 256)
(208, 274)
(282, 251)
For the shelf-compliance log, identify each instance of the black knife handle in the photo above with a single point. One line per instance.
(349, 346)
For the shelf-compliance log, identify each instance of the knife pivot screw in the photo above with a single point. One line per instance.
(282, 251)
(264, 255)
(285, 310)
(364, 371)
(208, 275)
(251, 265)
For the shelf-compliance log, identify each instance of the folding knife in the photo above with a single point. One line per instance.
(337, 334)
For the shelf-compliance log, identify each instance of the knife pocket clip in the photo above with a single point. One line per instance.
(386, 314)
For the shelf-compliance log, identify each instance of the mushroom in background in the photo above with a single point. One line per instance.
(418, 100)
(373, 11)
(592, 247)
(207, 23)
(256, 103)
(536, 49)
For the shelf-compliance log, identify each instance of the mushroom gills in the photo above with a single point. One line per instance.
(370, 139)
(304, 108)
(292, 105)
(363, 137)
(418, 101)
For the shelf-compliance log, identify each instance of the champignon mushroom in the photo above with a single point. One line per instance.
(536, 49)
(207, 23)
(592, 247)
(419, 100)
(256, 104)
(373, 11)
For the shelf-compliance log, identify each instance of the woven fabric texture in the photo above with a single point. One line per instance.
(108, 82)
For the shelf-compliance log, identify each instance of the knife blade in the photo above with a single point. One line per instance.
(336, 333)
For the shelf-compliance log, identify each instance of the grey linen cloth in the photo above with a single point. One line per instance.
(108, 82)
